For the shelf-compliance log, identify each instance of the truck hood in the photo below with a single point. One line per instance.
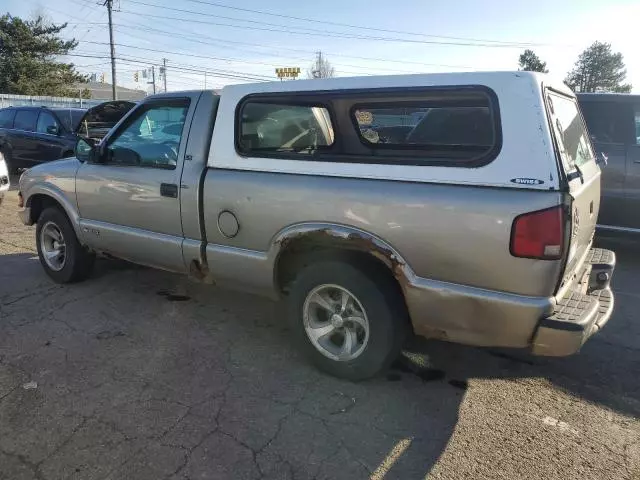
(98, 120)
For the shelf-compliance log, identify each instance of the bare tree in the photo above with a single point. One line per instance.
(321, 68)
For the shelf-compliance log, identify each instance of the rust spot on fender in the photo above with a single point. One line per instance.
(353, 241)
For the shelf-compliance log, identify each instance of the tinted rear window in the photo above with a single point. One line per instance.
(279, 127)
(6, 117)
(608, 122)
(418, 127)
(447, 126)
(25, 120)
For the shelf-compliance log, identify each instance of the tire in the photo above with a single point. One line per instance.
(76, 262)
(375, 294)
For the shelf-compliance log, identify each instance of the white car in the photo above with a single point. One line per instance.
(4, 178)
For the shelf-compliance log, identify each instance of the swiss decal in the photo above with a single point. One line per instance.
(527, 181)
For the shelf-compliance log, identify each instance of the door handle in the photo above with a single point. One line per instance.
(169, 190)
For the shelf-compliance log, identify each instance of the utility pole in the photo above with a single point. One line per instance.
(164, 73)
(109, 4)
(205, 80)
(153, 78)
(316, 72)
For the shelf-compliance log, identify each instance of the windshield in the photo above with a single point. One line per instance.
(570, 131)
(70, 118)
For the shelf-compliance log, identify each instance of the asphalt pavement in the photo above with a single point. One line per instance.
(140, 374)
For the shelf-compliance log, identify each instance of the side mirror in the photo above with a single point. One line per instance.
(53, 130)
(124, 156)
(85, 150)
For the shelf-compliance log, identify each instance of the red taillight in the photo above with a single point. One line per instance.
(539, 234)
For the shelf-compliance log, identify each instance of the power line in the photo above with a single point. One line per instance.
(338, 24)
(312, 33)
(386, 60)
(182, 37)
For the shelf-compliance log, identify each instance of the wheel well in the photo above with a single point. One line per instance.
(39, 203)
(305, 251)
(302, 252)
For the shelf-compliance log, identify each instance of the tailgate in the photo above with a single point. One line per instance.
(581, 179)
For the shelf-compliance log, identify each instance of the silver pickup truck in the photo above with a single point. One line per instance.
(460, 207)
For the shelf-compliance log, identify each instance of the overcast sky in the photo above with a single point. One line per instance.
(234, 43)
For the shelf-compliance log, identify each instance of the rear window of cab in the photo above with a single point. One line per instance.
(428, 126)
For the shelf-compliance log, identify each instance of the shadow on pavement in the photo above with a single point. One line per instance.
(143, 373)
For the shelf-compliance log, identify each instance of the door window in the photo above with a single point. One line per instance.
(6, 117)
(151, 138)
(46, 120)
(637, 124)
(25, 120)
(570, 131)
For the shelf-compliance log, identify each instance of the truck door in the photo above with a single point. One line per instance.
(24, 147)
(608, 123)
(129, 203)
(50, 144)
(632, 185)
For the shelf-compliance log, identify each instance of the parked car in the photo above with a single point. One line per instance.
(476, 227)
(4, 178)
(613, 121)
(32, 135)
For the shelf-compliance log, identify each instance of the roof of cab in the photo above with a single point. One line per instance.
(398, 81)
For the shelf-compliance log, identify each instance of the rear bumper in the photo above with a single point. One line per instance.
(581, 312)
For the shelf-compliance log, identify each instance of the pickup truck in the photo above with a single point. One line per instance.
(613, 122)
(460, 207)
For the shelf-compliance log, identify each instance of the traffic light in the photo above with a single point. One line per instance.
(102, 78)
(135, 77)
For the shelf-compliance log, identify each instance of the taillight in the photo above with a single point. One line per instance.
(539, 234)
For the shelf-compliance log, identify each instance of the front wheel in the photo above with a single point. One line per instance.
(350, 322)
(63, 258)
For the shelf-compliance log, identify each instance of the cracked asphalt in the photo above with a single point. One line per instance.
(139, 374)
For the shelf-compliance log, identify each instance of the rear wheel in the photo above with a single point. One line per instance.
(349, 321)
(63, 258)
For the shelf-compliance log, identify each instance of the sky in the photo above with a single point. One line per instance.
(237, 41)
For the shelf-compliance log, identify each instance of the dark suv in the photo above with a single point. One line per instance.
(32, 135)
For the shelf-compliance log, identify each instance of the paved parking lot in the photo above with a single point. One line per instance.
(139, 374)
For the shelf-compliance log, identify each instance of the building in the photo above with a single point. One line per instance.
(102, 91)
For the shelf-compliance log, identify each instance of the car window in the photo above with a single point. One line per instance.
(6, 117)
(153, 135)
(458, 132)
(571, 133)
(276, 127)
(70, 118)
(607, 122)
(414, 126)
(25, 120)
(637, 124)
(46, 120)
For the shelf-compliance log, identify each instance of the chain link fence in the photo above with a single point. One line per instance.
(10, 100)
